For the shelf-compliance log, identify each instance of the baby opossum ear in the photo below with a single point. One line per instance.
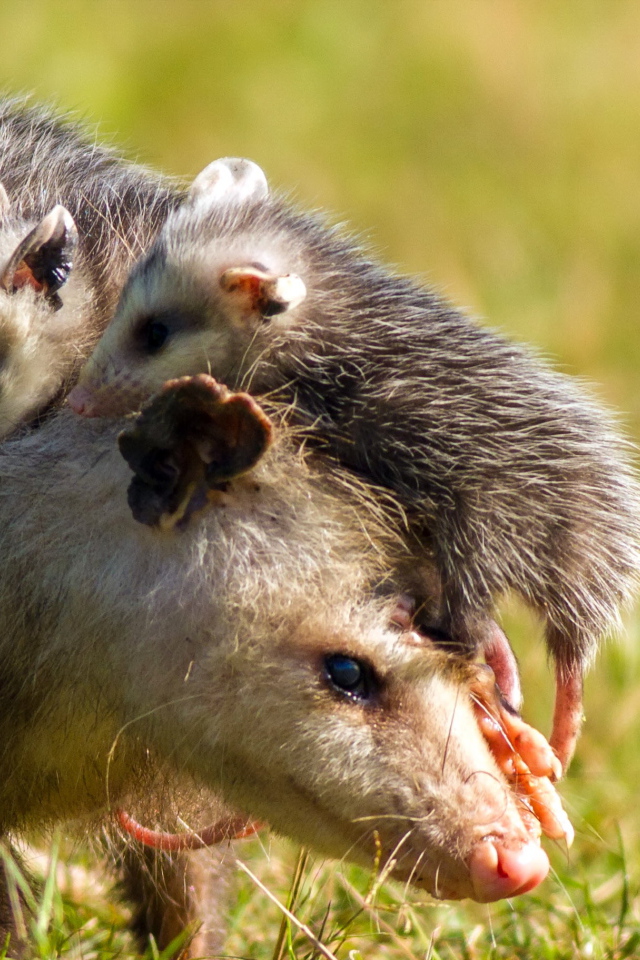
(230, 180)
(44, 258)
(253, 292)
(5, 203)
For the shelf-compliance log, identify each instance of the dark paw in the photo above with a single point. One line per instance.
(193, 437)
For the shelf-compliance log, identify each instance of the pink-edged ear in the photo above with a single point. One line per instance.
(43, 260)
(5, 203)
(253, 292)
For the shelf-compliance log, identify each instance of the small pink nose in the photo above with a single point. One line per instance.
(80, 401)
(498, 872)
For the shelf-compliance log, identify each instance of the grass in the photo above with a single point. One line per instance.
(496, 145)
(583, 910)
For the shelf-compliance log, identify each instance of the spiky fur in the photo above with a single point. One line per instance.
(511, 473)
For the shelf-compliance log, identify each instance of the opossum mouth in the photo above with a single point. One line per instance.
(494, 869)
(504, 860)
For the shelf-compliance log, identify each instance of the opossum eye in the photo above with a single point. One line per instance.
(154, 335)
(350, 676)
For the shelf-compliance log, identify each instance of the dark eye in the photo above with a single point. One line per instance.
(154, 335)
(350, 676)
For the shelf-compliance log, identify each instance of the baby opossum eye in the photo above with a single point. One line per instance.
(153, 335)
(353, 677)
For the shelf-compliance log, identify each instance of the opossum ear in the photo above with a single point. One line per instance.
(230, 180)
(44, 258)
(5, 203)
(253, 292)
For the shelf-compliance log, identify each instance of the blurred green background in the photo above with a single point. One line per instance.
(491, 146)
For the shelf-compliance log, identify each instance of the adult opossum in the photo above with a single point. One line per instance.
(235, 633)
(73, 216)
(513, 477)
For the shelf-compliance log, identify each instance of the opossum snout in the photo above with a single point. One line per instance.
(81, 402)
(114, 400)
(497, 871)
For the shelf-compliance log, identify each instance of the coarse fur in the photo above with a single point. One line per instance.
(106, 211)
(513, 476)
(117, 207)
(207, 647)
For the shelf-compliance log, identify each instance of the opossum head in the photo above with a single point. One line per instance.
(37, 309)
(363, 745)
(302, 703)
(218, 281)
(252, 651)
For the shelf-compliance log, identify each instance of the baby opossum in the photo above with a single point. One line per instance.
(512, 476)
(73, 215)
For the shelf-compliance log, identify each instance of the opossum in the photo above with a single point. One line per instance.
(514, 478)
(51, 753)
(243, 645)
(73, 215)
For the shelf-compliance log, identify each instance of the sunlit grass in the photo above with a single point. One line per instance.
(588, 907)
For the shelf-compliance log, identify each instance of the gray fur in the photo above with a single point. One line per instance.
(513, 476)
(203, 649)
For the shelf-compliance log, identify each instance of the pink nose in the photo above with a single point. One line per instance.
(80, 401)
(498, 872)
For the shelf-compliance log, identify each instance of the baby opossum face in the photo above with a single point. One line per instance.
(35, 263)
(209, 290)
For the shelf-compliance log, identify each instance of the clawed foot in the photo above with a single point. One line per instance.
(192, 439)
(524, 757)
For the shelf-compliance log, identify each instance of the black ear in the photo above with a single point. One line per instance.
(44, 258)
(193, 437)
